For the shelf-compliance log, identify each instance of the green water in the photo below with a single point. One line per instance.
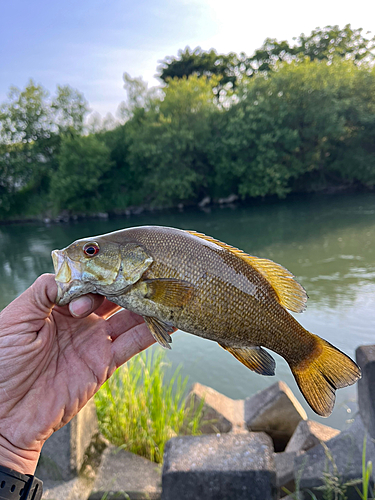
(328, 242)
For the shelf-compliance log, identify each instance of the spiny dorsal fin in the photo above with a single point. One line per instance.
(290, 293)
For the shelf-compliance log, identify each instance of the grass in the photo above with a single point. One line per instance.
(139, 411)
(333, 488)
(366, 475)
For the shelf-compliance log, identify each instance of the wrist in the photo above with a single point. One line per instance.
(15, 485)
(23, 461)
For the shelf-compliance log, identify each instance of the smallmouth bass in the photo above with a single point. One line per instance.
(187, 280)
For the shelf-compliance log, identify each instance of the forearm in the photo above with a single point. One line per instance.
(24, 461)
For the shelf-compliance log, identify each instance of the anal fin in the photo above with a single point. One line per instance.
(255, 358)
(160, 331)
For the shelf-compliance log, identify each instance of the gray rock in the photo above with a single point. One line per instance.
(75, 489)
(229, 199)
(63, 453)
(365, 356)
(222, 467)
(341, 456)
(308, 434)
(284, 463)
(276, 411)
(123, 475)
(206, 201)
(294, 496)
(220, 414)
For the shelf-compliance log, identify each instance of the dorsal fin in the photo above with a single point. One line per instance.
(289, 292)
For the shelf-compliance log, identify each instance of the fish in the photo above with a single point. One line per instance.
(178, 279)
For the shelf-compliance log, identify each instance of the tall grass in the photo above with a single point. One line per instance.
(333, 487)
(139, 411)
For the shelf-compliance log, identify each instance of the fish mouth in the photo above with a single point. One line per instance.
(68, 277)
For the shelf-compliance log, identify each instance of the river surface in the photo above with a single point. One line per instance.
(327, 242)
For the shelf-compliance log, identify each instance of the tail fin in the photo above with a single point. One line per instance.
(326, 370)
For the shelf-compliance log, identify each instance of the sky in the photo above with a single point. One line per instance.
(89, 44)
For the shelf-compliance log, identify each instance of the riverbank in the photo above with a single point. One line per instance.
(205, 204)
(258, 448)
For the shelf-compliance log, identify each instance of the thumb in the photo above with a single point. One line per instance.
(85, 305)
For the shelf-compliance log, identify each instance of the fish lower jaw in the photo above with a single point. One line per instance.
(66, 292)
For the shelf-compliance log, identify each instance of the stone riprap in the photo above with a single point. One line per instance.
(125, 476)
(223, 467)
(309, 434)
(345, 451)
(284, 463)
(276, 411)
(239, 464)
(220, 414)
(365, 356)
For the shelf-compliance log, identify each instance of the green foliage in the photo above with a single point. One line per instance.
(140, 412)
(31, 127)
(227, 68)
(27, 145)
(296, 118)
(75, 185)
(302, 129)
(322, 44)
(331, 41)
(366, 475)
(70, 108)
(170, 143)
(139, 97)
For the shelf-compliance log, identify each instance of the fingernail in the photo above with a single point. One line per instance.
(81, 306)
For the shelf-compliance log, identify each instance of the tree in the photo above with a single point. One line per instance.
(140, 98)
(31, 126)
(307, 127)
(228, 68)
(27, 141)
(26, 117)
(322, 44)
(82, 162)
(70, 109)
(170, 145)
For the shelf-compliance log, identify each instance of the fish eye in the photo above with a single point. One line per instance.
(91, 249)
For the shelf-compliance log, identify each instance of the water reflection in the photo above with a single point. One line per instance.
(327, 242)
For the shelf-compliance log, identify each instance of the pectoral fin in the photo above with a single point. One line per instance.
(168, 291)
(255, 358)
(160, 331)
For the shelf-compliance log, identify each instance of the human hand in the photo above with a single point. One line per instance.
(53, 360)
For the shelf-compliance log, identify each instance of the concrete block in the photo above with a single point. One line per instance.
(294, 496)
(276, 411)
(220, 414)
(308, 434)
(123, 475)
(221, 467)
(75, 489)
(344, 451)
(365, 356)
(284, 463)
(63, 453)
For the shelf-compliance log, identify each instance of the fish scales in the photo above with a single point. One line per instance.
(186, 280)
(228, 294)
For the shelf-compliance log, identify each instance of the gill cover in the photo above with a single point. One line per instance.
(109, 270)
